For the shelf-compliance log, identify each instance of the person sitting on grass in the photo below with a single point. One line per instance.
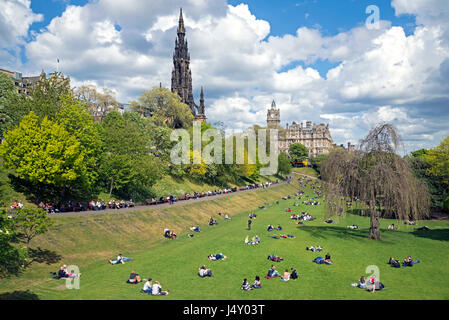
(227, 217)
(212, 222)
(195, 229)
(394, 263)
(374, 284)
(217, 256)
(167, 233)
(272, 272)
(279, 227)
(147, 287)
(134, 278)
(392, 227)
(204, 272)
(61, 274)
(270, 227)
(173, 235)
(408, 262)
(327, 258)
(353, 227)
(286, 275)
(256, 283)
(156, 290)
(362, 283)
(294, 274)
(245, 285)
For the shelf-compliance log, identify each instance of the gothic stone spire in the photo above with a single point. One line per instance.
(181, 82)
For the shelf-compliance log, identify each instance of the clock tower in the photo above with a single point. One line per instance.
(273, 117)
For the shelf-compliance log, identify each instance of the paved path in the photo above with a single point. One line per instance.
(156, 206)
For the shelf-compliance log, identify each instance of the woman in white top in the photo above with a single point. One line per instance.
(157, 290)
(147, 287)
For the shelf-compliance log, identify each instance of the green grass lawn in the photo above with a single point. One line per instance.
(307, 171)
(175, 262)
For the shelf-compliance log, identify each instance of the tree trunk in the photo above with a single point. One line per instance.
(112, 185)
(374, 232)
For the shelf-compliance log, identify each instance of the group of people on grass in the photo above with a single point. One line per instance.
(63, 273)
(408, 262)
(170, 234)
(17, 205)
(273, 273)
(254, 241)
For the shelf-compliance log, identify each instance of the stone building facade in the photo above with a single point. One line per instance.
(316, 138)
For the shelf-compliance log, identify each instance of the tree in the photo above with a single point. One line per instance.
(284, 166)
(98, 104)
(29, 223)
(438, 159)
(127, 167)
(11, 257)
(164, 108)
(376, 176)
(45, 99)
(317, 161)
(298, 152)
(12, 105)
(44, 155)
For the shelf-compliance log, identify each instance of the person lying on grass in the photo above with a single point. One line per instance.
(408, 262)
(245, 285)
(120, 259)
(316, 248)
(272, 273)
(217, 256)
(329, 221)
(256, 284)
(147, 287)
(274, 258)
(394, 263)
(156, 290)
(424, 228)
(195, 229)
(134, 278)
(286, 276)
(204, 272)
(353, 227)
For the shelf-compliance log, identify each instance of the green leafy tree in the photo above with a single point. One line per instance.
(298, 152)
(317, 161)
(12, 105)
(284, 166)
(44, 155)
(164, 108)
(11, 257)
(29, 223)
(438, 159)
(47, 95)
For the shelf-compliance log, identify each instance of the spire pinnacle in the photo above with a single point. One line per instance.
(273, 105)
(181, 28)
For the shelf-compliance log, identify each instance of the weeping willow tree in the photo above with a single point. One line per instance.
(375, 176)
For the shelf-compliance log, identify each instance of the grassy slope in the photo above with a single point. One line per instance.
(306, 170)
(175, 263)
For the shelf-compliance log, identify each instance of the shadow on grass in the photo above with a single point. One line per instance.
(18, 295)
(331, 231)
(43, 255)
(433, 234)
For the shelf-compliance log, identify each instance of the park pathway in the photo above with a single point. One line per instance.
(155, 206)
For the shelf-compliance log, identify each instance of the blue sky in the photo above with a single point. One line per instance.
(316, 58)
